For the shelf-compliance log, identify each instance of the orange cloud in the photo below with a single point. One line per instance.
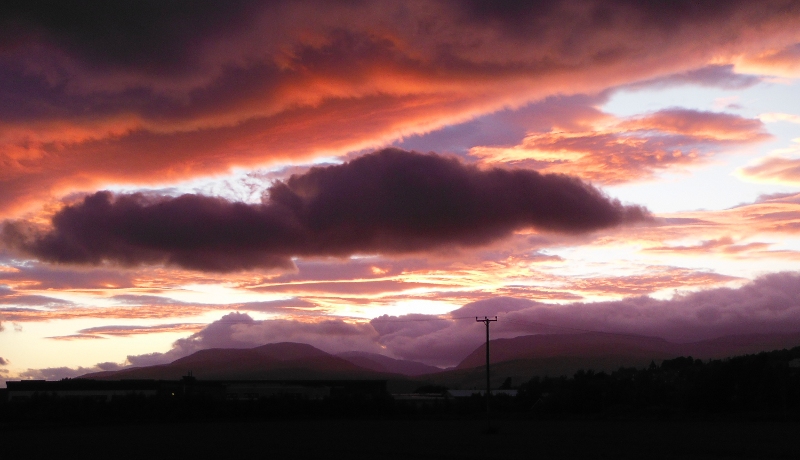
(124, 331)
(140, 312)
(655, 279)
(72, 337)
(617, 151)
(784, 62)
(176, 93)
(773, 169)
(724, 245)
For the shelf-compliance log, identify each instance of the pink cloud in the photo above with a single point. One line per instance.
(768, 305)
(781, 61)
(774, 169)
(613, 151)
(71, 337)
(725, 245)
(124, 331)
(239, 330)
(715, 75)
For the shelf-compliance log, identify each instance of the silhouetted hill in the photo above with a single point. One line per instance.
(521, 358)
(276, 361)
(632, 349)
(382, 363)
(733, 345)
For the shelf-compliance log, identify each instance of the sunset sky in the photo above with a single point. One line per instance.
(179, 175)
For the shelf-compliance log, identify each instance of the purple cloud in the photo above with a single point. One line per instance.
(390, 201)
(721, 76)
(769, 305)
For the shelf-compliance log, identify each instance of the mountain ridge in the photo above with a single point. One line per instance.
(519, 358)
(278, 361)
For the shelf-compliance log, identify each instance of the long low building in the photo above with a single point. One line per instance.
(235, 390)
(80, 388)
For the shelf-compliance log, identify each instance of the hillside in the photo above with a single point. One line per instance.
(276, 361)
(518, 358)
(521, 358)
(382, 363)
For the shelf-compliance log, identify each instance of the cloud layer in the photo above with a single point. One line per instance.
(391, 201)
(153, 92)
(603, 149)
(768, 305)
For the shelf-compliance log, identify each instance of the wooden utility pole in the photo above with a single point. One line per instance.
(486, 321)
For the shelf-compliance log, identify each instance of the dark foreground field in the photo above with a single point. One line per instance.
(407, 439)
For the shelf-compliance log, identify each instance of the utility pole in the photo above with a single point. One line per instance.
(486, 321)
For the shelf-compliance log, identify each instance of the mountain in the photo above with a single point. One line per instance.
(734, 345)
(521, 358)
(382, 363)
(591, 345)
(275, 361)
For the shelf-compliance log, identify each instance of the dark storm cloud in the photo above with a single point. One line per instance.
(391, 201)
(150, 34)
(156, 35)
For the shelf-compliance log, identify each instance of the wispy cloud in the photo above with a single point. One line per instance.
(614, 151)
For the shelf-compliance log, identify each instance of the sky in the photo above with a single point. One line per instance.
(373, 175)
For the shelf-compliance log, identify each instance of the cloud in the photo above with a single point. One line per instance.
(725, 245)
(150, 93)
(137, 312)
(784, 61)
(773, 117)
(45, 276)
(72, 337)
(11, 297)
(138, 299)
(768, 305)
(3, 361)
(773, 169)
(56, 373)
(776, 214)
(509, 126)
(442, 340)
(719, 75)
(293, 306)
(390, 201)
(124, 331)
(613, 151)
(239, 330)
(218, 334)
(654, 279)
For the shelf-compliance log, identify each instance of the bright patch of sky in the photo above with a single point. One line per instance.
(401, 307)
(713, 185)
(30, 347)
(242, 185)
